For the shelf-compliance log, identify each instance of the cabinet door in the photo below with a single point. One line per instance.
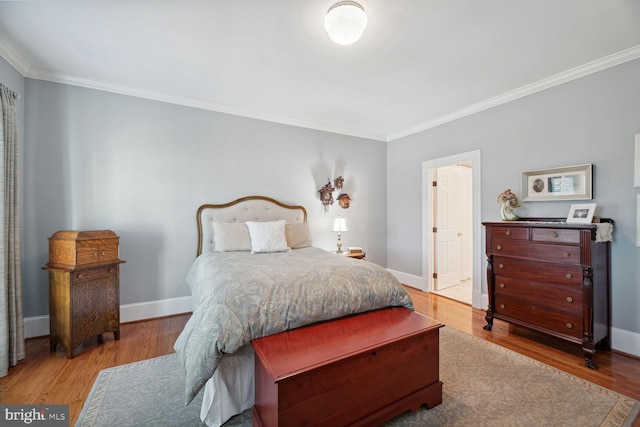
(95, 303)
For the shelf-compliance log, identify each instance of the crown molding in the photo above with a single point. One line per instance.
(17, 62)
(566, 76)
(48, 75)
(12, 57)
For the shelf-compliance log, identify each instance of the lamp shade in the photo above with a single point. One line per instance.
(345, 22)
(340, 224)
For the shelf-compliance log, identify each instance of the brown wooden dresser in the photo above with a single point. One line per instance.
(84, 287)
(553, 277)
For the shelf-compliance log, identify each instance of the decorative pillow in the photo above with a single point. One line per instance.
(230, 237)
(298, 235)
(267, 236)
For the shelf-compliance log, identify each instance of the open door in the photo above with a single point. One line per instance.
(448, 229)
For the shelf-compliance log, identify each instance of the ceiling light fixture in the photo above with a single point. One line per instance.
(345, 22)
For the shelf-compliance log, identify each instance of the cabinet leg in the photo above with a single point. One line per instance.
(100, 339)
(116, 334)
(52, 345)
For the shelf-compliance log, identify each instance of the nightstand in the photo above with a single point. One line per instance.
(84, 287)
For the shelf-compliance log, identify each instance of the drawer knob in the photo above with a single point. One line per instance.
(500, 265)
(569, 275)
(103, 253)
(569, 299)
(499, 247)
(95, 254)
(79, 276)
(554, 234)
(569, 325)
(502, 285)
(110, 270)
(566, 254)
(508, 232)
(501, 305)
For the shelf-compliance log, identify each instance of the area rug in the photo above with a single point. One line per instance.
(484, 385)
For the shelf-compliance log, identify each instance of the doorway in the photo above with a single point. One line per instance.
(451, 217)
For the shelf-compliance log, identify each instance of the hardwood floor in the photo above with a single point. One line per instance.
(50, 378)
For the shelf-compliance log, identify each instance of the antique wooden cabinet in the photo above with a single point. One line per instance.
(554, 277)
(84, 287)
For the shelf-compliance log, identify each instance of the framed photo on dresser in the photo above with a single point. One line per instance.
(581, 214)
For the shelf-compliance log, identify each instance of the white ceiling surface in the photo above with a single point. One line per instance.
(420, 63)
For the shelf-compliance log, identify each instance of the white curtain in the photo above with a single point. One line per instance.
(11, 321)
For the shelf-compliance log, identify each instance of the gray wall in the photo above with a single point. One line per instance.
(97, 160)
(589, 120)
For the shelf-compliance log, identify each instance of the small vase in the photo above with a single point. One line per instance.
(507, 216)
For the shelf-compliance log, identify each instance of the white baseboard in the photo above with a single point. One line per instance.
(414, 281)
(38, 326)
(625, 341)
(621, 340)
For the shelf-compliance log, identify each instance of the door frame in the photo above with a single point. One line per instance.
(472, 157)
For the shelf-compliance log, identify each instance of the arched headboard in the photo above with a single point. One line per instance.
(251, 208)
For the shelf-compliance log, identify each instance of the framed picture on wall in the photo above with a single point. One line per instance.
(581, 214)
(566, 183)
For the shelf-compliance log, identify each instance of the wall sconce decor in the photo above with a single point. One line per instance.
(326, 194)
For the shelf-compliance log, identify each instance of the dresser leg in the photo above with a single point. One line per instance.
(588, 358)
(52, 345)
(489, 319)
(116, 334)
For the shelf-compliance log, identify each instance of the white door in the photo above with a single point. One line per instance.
(448, 233)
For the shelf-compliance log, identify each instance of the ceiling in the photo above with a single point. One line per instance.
(420, 63)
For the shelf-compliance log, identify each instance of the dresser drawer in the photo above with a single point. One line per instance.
(536, 315)
(555, 235)
(566, 298)
(512, 233)
(94, 273)
(540, 251)
(538, 272)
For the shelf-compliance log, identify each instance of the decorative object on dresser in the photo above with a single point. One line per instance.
(84, 287)
(340, 225)
(554, 277)
(581, 214)
(508, 205)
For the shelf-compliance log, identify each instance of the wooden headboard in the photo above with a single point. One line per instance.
(251, 208)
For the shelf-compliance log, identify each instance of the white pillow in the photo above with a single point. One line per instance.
(267, 236)
(230, 237)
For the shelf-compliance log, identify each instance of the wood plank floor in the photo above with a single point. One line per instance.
(50, 378)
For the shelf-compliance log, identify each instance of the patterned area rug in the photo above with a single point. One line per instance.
(484, 385)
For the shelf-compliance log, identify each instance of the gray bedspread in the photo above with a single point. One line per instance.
(239, 296)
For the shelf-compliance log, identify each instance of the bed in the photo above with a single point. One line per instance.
(257, 274)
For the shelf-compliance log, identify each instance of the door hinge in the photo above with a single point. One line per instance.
(435, 275)
(434, 183)
(435, 229)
